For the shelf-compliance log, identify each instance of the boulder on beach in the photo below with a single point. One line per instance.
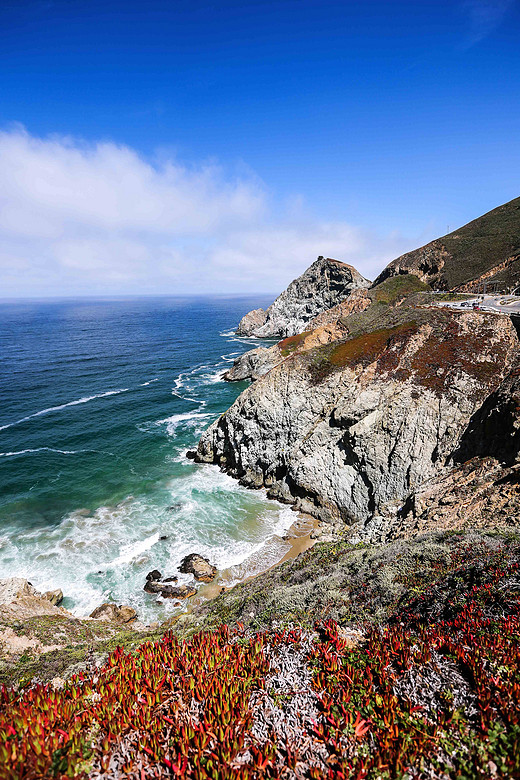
(200, 567)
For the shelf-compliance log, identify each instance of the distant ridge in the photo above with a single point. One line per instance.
(486, 249)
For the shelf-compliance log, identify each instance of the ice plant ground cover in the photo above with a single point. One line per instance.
(433, 691)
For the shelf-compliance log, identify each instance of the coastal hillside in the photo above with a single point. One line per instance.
(328, 326)
(351, 661)
(485, 250)
(390, 648)
(324, 284)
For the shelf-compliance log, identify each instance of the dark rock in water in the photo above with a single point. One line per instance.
(182, 592)
(191, 454)
(200, 567)
(168, 591)
(153, 576)
(152, 586)
(174, 507)
(163, 538)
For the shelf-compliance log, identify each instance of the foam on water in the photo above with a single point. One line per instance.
(58, 408)
(101, 551)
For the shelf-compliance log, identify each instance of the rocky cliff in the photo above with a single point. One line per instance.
(486, 249)
(351, 429)
(324, 284)
(328, 326)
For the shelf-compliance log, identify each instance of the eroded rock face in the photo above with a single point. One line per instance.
(481, 493)
(251, 321)
(326, 283)
(349, 428)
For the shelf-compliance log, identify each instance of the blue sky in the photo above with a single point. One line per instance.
(244, 138)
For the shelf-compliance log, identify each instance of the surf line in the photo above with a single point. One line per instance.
(64, 406)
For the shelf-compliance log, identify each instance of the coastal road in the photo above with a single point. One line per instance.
(505, 304)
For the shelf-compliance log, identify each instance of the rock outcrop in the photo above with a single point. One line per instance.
(353, 428)
(200, 567)
(324, 328)
(330, 325)
(20, 600)
(323, 285)
(112, 613)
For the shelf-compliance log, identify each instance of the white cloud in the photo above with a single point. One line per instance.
(483, 16)
(80, 218)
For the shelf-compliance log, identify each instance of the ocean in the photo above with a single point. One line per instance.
(99, 402)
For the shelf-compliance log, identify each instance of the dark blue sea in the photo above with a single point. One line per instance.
(99, 401)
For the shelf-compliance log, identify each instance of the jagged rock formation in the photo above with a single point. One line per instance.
(323, 285)
(324, 328)
(329, 326)
(486, 249)
(353, 428)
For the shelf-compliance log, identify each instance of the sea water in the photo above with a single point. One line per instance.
(99, 402)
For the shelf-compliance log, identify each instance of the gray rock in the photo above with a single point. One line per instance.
(20, 600)
(344, 430)
(323, 285)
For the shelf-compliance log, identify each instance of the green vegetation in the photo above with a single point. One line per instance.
(489, 242)
(344, 582)
(76, 644)
(396, 288)
(359, 350)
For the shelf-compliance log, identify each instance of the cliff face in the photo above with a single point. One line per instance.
(351, 429)
(323, 285)
(486, 249)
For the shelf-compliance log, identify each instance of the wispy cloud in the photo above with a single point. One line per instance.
(79, 218)
(482, 18)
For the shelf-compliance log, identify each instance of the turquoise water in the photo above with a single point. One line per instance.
(99, 401)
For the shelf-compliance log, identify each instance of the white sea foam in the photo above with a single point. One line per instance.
(39, 449)
(185, 398)
(191, 419)
(84, 400)
(132, 551)
(145, 384)
(226, 333)
(215, 377)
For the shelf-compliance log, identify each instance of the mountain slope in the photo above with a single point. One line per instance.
(486, 249)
